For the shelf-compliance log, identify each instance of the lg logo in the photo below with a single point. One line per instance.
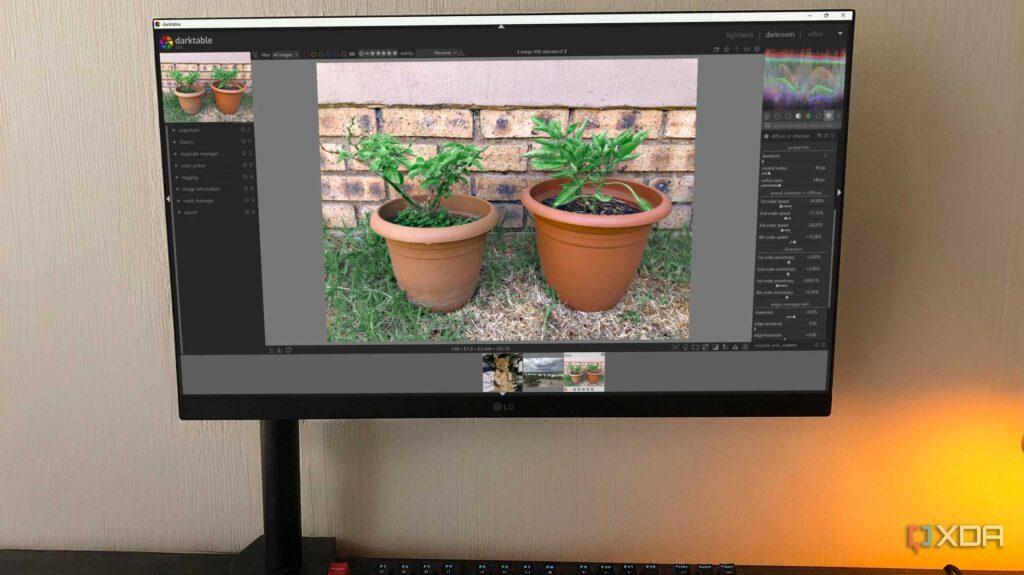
(499, 407)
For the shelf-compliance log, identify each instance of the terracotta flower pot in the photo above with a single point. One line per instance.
(593, 376)
(590, 260)
(437, 268)
(227, 100)
(190, 102)
(577, 377)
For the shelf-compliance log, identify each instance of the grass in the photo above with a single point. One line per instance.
(209, 111)
(364, 302)
(512, 302)
(668, 256)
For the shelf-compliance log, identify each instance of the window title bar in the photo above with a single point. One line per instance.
(507, 20)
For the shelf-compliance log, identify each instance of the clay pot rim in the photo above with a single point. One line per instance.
(486, 221)
(213, 86)
(655, 214)
(195, 94)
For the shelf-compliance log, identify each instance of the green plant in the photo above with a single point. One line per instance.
(394, 161)
(593, 368)
(225, 79)
(576, 369)
(186, 82)
(586, 162)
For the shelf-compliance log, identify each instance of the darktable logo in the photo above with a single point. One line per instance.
(168, 42)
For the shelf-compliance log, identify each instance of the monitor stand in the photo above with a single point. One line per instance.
(282, 550)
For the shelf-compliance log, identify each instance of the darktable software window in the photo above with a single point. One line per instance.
(281, 285)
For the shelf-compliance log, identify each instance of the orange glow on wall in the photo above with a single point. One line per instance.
(952, 461)
(842, 490)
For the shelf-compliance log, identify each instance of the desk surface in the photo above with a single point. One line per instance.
(20, 562)
(17, 562)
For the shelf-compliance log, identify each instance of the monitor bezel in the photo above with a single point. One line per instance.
(482, 405)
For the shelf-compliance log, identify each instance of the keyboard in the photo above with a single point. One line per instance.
(360, 566)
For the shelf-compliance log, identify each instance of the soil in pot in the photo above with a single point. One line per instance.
(591, 259)
(190, 102)
(228, 99)
(612, 208)
(437, 268)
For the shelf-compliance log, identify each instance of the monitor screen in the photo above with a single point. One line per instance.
(523, 215)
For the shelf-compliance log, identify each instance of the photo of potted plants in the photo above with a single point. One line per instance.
(184, 77)
(594, 372)
(576, 373)
(227, 90)
(620, 154)
(190, 95)
(435, 241)
(591, 229)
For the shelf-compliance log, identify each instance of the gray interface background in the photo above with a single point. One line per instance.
(288, 172)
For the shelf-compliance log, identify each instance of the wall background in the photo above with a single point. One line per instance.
(929, 403)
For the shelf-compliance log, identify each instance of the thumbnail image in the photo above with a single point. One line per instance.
(445, 186)
(543, 372)
(206, 86)
(804, 80)
(503, 372)
(584, 371)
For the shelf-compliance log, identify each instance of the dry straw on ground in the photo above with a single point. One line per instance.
(522, 308)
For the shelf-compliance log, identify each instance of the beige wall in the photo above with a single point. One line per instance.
(929, 404)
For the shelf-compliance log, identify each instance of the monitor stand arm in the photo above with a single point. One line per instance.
(282, 550)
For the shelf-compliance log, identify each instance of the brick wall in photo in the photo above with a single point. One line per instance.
(349, 191)
(205, 73)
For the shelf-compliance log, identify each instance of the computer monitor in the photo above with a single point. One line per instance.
(493, 216)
